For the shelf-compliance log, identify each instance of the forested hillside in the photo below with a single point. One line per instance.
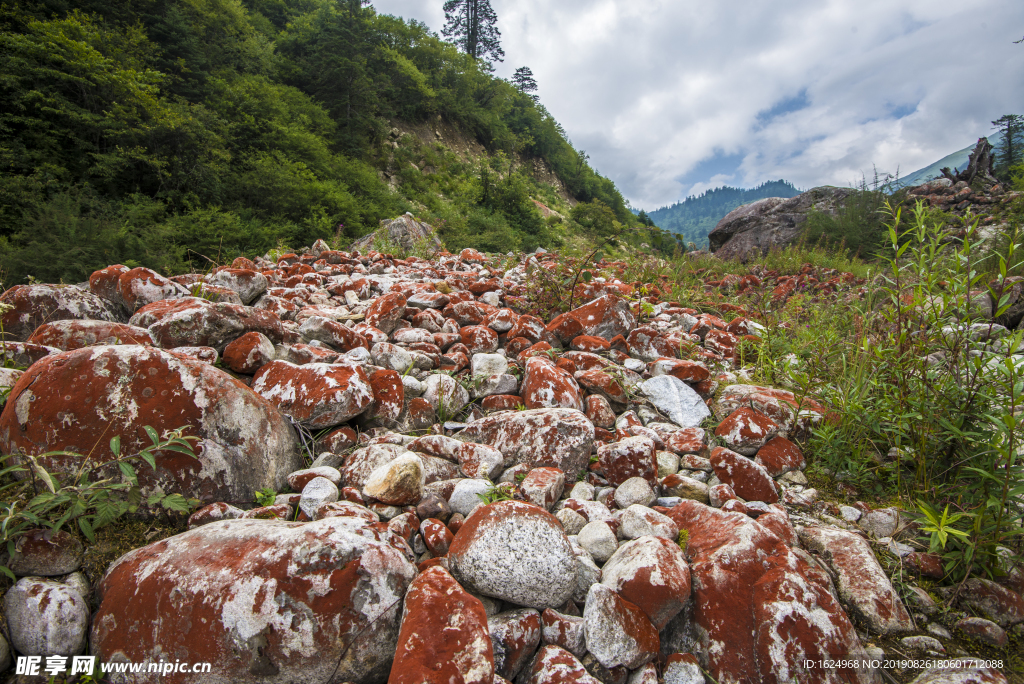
(169, 133)
(695, 217)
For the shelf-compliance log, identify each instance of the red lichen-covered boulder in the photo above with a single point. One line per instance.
(103, 283)
(746, 430)
(780, 456)
(515, 635)
(589, 343)
(194, 322)
(617, 631)
(652, 574)
(782, 406)
(648, 344)
(527, 327)
(330, 332)
(249, 353)
(248, 283)
(33, 305)
(605, 317)
(78, 400)
(75, 334)
(141, 286)
(861, 582)
(749, 480)
(261, 601)
(444, 638)
(688, 441)
(318, 395)
(555, 665)
(559, 438)
(385, 312)
(599, 411)
(436, 536)
(604, 384)
(687, 371)
(764, 611)
(543, 486)
(629, 457)
(545, 385)
(479, 339)
(388, 396)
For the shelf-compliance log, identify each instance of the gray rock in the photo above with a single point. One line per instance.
(488, 364)
(405, 232)
(359, 356)
(387, 355)
(676, 399)
(587, 572)
(445, 394)
(599, 540)
(848, 513)
(604, 628)
(687, 488)
(639, 521)
(47, 617)
(516, 552)
(582, 491)
(399, 483)
(413, 387)
(755, 228)
(466, 496)
(316, 493)
(880, 523)
(971, 675)
(923, 644)
(572, 522)
(668, 463)
(496, 384)
(683, 672)
(635, 490)
(515, 635)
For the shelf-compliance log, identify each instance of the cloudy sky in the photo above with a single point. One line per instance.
(672, 97)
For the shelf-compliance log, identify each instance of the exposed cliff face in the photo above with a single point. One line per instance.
(753, 229)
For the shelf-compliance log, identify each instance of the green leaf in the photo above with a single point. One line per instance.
(83, 524)
(127, 470)
(4, 569)
(176, 502)
(115, 446)
(153, 435)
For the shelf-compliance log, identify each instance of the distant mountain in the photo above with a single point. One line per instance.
(695, 217)
(956, 161)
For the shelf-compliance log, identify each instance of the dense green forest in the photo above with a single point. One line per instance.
(695, 217)
(172, 133)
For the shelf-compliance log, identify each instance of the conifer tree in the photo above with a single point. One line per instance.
(1012, 128)
(523, 80)
(473, 26)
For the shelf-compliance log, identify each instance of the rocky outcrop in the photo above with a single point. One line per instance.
(404, 232)
(755, 228)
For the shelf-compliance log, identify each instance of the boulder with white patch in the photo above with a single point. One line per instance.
(262, 601)
(80, 399)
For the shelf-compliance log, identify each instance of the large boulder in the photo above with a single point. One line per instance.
(74, 334)
(762, 610)
(195, 322)
(404, 232)
(317, 395)
(553, 437)
(33, 305)
(78, 400)
(261, 600)
(606, 317)
(753, 229)
(516, 552)
(444, 637)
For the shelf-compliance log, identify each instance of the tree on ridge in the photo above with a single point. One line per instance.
(473, 26)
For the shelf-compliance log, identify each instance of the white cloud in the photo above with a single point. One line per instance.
(661, 93)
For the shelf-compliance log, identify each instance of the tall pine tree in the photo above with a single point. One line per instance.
(524, 82)
(474, 27)
(1012, 128)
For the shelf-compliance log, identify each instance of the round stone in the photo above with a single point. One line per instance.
(516, 552)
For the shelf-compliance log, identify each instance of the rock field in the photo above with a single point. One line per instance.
(492, 497)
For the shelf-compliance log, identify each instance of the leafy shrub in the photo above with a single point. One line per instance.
(94, 496)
